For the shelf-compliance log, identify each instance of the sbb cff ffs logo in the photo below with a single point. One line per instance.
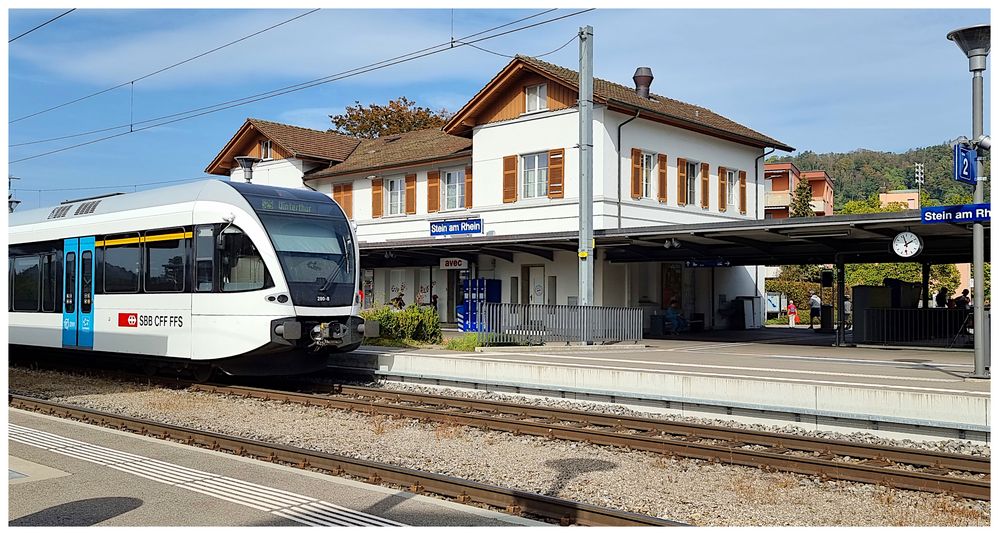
(131, 319)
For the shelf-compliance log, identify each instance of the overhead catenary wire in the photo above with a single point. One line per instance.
(53, 19)
(158, 71)
(298, 87)
(302, 85)
(574, 37)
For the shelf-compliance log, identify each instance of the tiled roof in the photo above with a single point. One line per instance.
(306, 142)
(396, 150)
(604, 91)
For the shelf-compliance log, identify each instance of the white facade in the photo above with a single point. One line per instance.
(284, 173)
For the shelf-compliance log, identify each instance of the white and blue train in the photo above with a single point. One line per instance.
(212, 275)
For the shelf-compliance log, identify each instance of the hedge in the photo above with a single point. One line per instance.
(421, 324)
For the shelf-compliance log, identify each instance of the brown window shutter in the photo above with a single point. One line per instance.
(722, 189)
(468, 186)
(636, 173)
(433, 191)
(681, 182)
(347, 192)
(742, 192)
(376, 198)
(662, 177)
(509, 178)
(705, 187)
(556, 173)
(411, 194)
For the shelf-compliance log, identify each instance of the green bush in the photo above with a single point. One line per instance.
(467, 342)
(421, 324)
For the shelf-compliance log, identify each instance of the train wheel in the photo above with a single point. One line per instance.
(202, 373)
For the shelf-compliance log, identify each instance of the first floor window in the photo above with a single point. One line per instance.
(454, 189)
(648, 160)
(396, 196)
(693, 176)
(535, 181)
(733, 179)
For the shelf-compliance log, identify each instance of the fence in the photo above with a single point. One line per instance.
(506, 323)
(936, 327)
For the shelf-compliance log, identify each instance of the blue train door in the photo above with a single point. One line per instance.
(78, 293)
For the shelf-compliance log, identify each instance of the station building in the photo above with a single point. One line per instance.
(494, 194)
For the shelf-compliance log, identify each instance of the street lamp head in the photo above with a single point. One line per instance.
(975, 42)
(984, 142)
(246, 164)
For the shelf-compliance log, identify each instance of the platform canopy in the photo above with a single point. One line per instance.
(812, 240)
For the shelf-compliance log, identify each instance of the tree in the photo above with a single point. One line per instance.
(398, 116)
(801, 200)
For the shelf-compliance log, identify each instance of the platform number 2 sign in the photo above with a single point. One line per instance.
(965, 168)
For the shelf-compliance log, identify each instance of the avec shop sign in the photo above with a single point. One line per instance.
(456, 227)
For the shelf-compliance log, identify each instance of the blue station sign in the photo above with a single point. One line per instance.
(453, 228)
(965, 164)
(958, 213)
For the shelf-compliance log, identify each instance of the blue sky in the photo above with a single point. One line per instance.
(809, 78)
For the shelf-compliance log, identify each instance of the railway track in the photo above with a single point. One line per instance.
(902, 468)
(565, 512)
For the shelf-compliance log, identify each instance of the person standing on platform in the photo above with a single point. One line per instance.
(941, 297)
(792, 314)
(963, 301)
(847, 311)
(815, 310)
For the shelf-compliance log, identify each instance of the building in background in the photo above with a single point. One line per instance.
(780, 181)
(908, 197)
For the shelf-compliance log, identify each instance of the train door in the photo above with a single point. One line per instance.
(78, 298)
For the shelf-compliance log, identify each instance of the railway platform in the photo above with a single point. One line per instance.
(64, 473)
(772, 378)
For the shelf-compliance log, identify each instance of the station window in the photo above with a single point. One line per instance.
(396, 195)
(733, 182)
(204, 258)
(241, 267)
(122, 260)
(648, 163)
(26, 288)
(537, 98)
(693, 178)
(535, 180)
(454, 189)
(166, 261)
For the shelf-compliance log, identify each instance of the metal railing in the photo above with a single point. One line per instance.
(507, 323)
(935, 327)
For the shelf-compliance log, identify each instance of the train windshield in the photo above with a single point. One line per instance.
(317, 257)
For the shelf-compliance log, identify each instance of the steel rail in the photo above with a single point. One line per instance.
(462, 490)
(912, 456)
(875, 470)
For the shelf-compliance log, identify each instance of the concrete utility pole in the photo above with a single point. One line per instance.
(586, 258)
(975, 42)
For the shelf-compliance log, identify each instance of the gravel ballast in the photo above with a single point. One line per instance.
(679, 489)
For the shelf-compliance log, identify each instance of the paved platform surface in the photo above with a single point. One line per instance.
(906, 386)
(64, 473)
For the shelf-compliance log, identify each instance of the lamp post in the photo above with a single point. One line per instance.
(246, 164)
(975, 43)
(11, 201)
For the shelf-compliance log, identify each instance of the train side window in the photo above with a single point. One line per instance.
(166, 261)
(27, 282)
(50, 282)
(204, 258)
(242, 267)
(70, 290)
(122, 260)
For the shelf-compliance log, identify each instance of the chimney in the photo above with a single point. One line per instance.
(643, 79)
